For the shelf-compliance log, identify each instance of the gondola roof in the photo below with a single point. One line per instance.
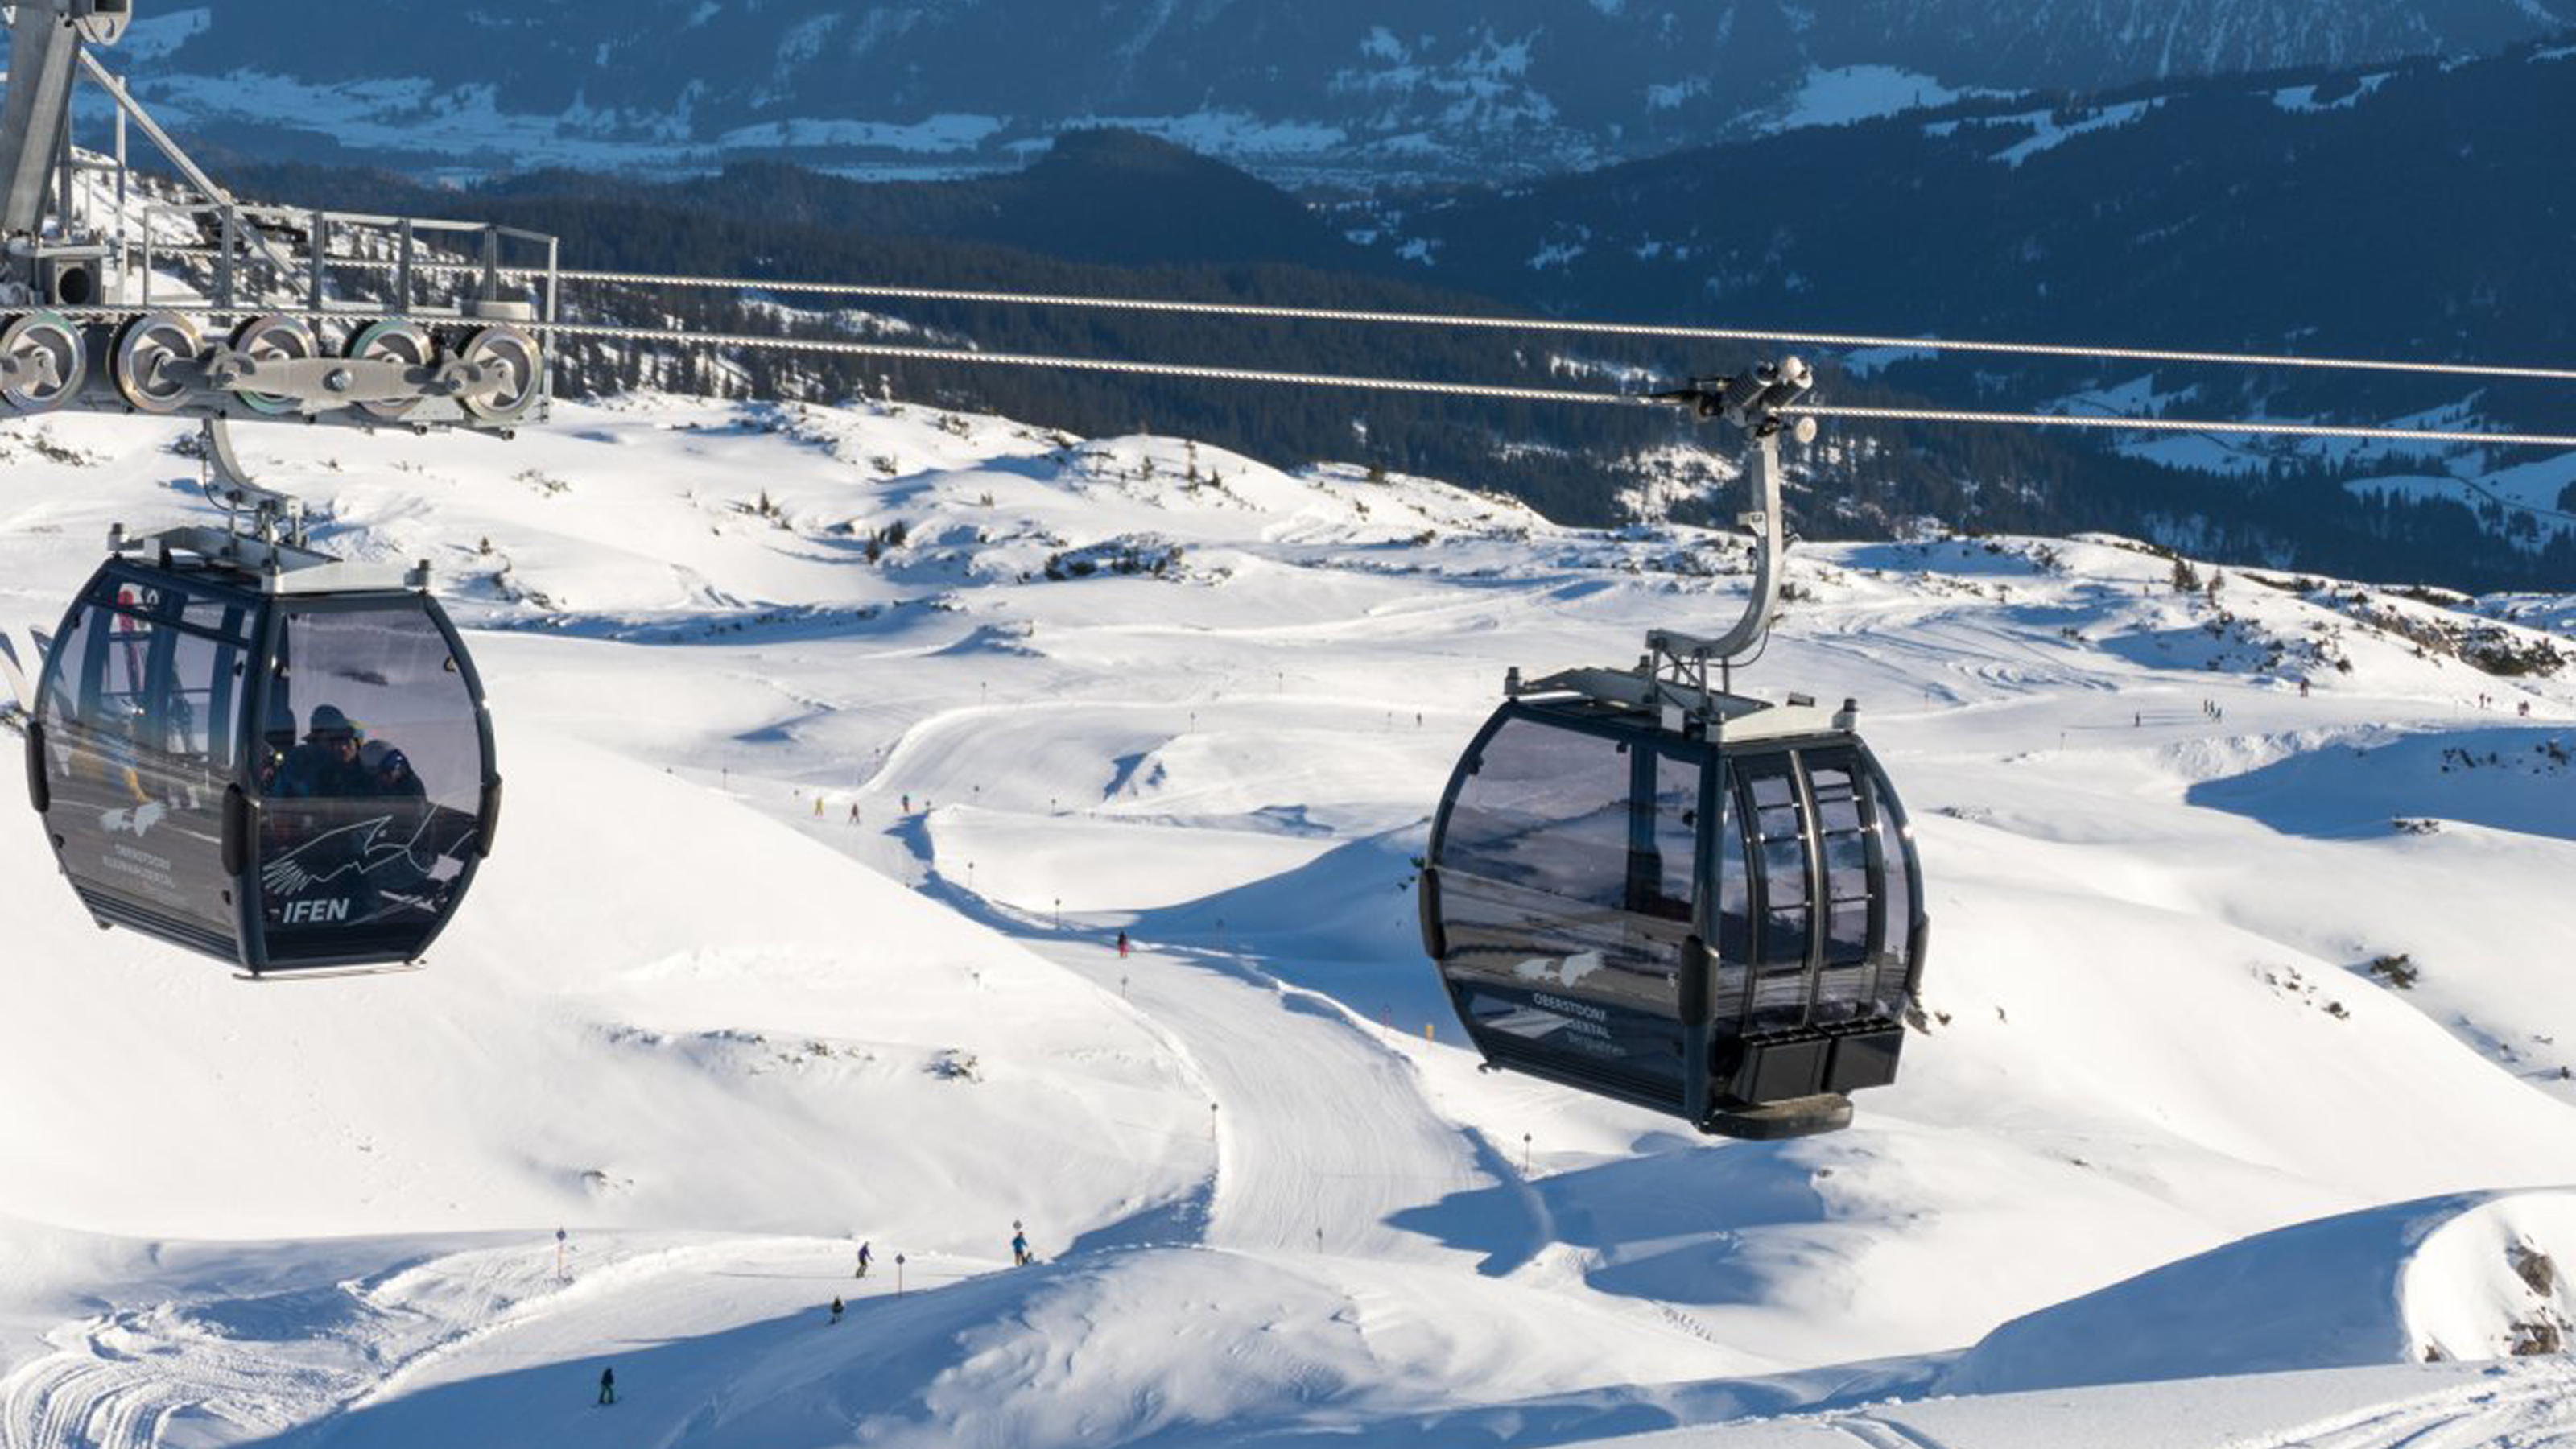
(1642, 700)
(214, 556)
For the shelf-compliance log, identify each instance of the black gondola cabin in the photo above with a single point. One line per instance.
(264, 755)
(1713, 911)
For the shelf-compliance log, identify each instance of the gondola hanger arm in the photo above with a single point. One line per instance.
(1754, 402)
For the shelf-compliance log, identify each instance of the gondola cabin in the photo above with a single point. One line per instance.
(1697, 903)
(262, 754)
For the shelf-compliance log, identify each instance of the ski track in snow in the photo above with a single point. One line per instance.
(99, 1397)
(2533, 1409)
(132, 1374)
(1322, 1132)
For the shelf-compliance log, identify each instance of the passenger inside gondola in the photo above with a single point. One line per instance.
(326, 766)
(337, 761)
(389, 772)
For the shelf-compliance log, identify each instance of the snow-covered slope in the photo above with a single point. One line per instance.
(843, 742)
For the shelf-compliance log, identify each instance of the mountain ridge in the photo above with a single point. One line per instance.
(2072, 222)
(1340, 92)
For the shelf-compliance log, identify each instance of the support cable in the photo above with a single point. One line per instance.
(2257, 428)
(1657, 331)
(967, 357)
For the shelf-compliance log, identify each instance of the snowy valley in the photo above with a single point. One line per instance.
(843, 743)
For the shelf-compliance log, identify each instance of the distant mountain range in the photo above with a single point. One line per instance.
(1347, 92)
(2415, 212)
(2418, 210)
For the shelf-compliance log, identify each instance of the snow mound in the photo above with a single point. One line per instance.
(1352, 903)
(1011, 637)
(2468, 1277)
(1086, 863)
(2503, 777)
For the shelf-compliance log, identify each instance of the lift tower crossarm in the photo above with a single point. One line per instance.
(43, 43)
(47, 39)
(187, 167)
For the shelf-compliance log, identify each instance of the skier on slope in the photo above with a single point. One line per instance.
(608, 1386)
(1122, 945)
(865, 1257)
(1020, 1249)
(836, 1310)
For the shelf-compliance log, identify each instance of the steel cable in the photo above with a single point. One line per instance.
(2258, 428)
(902, 352)
(1372, 317)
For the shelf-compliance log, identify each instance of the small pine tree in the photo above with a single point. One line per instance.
(2186, 579)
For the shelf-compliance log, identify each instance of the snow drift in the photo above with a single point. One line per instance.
(2468, 1277)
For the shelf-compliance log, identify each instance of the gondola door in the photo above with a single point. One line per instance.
(1819, 924)
(1775, 809)
(140, 736)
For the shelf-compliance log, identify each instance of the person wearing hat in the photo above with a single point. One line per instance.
(326, 765)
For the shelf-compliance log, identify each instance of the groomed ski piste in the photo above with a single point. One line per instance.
(2170, 1163)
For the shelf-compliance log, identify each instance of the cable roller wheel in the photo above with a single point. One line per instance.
(280, 339)
(390, 341)
(521, 363)
(145, 349)
(50, 349)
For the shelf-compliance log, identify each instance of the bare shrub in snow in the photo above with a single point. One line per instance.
(2399, 970)
(2537, 1338)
